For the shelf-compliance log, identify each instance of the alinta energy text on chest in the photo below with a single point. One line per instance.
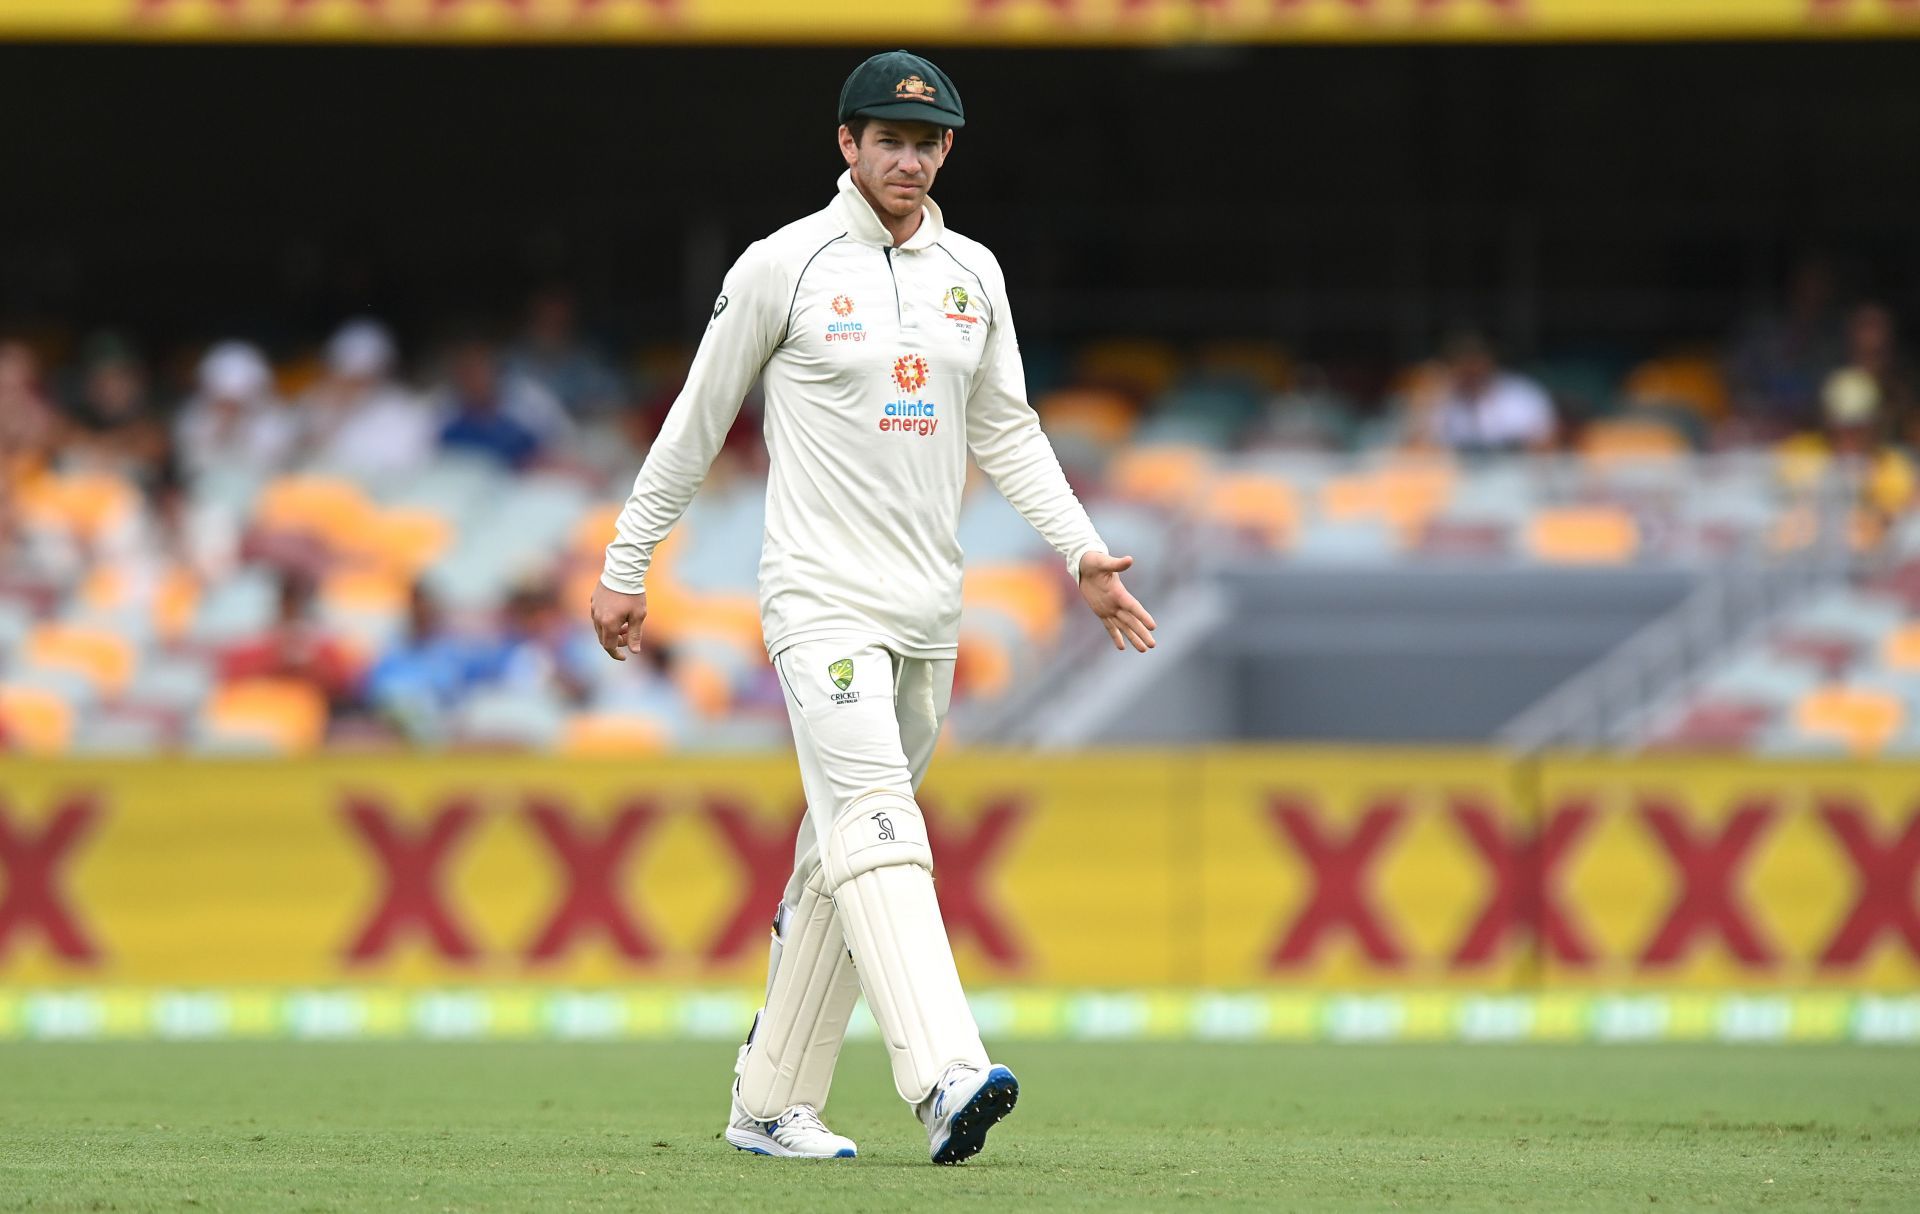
(910, 417)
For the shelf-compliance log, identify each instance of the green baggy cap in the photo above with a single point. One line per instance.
(900, 84)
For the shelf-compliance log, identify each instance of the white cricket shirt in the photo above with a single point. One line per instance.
(881, 367)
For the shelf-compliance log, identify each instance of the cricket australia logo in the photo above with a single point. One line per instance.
(954, 306)
(917, 415)
(841, 672)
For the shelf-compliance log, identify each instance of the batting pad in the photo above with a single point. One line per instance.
(881, 872)
(796, 1039)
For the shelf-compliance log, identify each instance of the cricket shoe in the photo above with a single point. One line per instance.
(964, 1105)
(797, 1133)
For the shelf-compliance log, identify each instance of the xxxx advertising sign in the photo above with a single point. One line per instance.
(974, 21)
(1219, 868)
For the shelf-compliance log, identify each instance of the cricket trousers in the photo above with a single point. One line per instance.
(859, 913)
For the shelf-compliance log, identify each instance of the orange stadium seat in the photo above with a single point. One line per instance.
(88, 505)
(1629, 439)
(332, 508)
(1264, 506)
(35, 720)
(402, 540)
(1098, 415)
(1689, 382)
(594, 530)
(1864, 720)
(612, 734)
(1028, 594)
(1168, 476)
(1900, 650)
(984, 667)
(105, 659)
(1583, 535)
(705, 685)
(284, 716)
(1142, 367)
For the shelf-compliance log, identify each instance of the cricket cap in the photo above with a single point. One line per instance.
(900, 84)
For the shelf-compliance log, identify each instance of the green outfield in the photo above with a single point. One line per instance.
(408, 1126)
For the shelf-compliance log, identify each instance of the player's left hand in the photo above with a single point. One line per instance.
(1120, 613)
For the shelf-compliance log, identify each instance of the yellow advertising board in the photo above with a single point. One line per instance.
(1226, 869)
(983, 22)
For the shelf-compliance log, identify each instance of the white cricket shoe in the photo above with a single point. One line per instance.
(797, 1133)
(964, 1105)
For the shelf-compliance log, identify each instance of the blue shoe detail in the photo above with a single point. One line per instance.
(847, 1153)
(752, 1150)
(989, 1105)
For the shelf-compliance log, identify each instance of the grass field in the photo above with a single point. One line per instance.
(291, 1127)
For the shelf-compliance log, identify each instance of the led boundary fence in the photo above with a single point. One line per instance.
(1328, 876)
(981, 22)
(651, 1014)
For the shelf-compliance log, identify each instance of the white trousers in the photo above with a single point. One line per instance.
(878, 731)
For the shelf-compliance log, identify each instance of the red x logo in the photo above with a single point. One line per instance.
(1525, 887)
(30, 895)
(412, 862)
(590, 862)
(1709, 869)
(765, 854)
(1340, 868)
(960, 868)
(1887, 874)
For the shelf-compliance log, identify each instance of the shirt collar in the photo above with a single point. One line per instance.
(865, 226)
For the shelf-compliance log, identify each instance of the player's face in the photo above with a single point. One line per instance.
(895, 162)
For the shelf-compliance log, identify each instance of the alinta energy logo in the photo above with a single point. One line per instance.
(910, 416)
(844, 329)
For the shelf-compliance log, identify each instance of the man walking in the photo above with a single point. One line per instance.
(887, 352)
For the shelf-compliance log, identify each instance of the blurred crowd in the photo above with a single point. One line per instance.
(135, 476)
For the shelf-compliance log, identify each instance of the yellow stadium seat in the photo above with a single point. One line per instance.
(1168, 476)
(594, 530)
(34, 720)
(364, 592)
(1801, 461)
(1098, 414)
(607, 734)
(1029, 594)
(1261, 505)
(1892, 483)
(102, 657)
(705, 685)
(1583, 535)
(283, 715)
(88, 505)
(1862, 719)
(1692, 383)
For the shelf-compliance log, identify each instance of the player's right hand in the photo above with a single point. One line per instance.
(616, 620)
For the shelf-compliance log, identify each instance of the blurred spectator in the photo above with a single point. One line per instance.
(357, 420)
(294, 646)
(27, 418)
(1871, 398)
(1479, 407)
(1779, 362)
(544, 649)
(234, 420)
(424, 675)
(110, 421)
(504, 415)
(551, 353)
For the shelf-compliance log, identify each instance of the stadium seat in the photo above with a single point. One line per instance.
(1250, 504)
(984, 667)
(89, 506)
(272, 716)
(333, 509)
(400, 540)
(102, 657)
(605, 734)
(1900, 648)
(35, 720)
(1583, 535)
(510, 717)
(1631, 439)
(1261, 366)
(1166, 476)
(1029, 594)
(1137, 366)
(1863, 719)
(1692, 383)
(1097, 415)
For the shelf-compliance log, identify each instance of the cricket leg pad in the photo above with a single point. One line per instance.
(880, 869)
(797, 1036)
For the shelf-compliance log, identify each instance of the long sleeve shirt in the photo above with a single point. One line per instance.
(882, 367)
